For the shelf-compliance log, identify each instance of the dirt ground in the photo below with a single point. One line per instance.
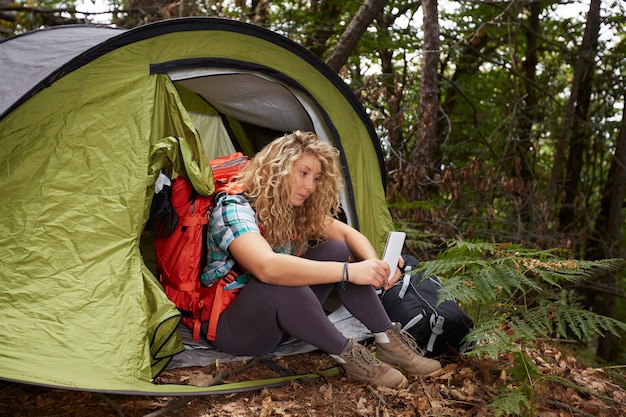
(563, 387)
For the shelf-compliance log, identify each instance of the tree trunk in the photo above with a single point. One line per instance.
(530, 115)
(580, 134)
(607, 241)
(576, 113)
(421, 169)
(350, 37)
(261, 10)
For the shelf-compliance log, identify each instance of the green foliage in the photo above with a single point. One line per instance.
(417, 242)
(525, 369)
(512, 401)
(515, 297)
(513, 293)
(315, 25)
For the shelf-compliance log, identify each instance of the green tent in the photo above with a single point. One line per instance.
(89, 116)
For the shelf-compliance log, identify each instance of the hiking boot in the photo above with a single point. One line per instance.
(360, 364)
(401, 351)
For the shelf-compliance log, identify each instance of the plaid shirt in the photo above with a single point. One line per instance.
(232, 217)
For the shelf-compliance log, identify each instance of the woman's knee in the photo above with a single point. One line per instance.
(262, 296)
(331, 250)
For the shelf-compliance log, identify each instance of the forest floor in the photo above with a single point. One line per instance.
(563, 387)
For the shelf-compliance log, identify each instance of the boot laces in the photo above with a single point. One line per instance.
(408, 343)
(363, 357)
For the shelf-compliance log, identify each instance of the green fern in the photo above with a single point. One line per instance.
(512, 401)
(486, 272)
(525, 370)
(513, 295)
(507, 280)
(509, 327)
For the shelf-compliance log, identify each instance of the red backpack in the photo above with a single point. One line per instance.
(181, 256)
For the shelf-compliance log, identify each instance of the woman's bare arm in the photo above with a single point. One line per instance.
(253, 252)
(359, 245)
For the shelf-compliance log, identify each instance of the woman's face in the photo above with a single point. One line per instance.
(306, 173)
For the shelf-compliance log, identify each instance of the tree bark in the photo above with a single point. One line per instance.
(350, 37)
(531, 114)
(261, 10)
(580, 135)
(421, 168)
(576, 112)
(531, 111)
(607, 241)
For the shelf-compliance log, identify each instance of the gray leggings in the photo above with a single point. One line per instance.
(264, 315)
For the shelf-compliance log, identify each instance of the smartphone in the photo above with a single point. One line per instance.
(393, 251)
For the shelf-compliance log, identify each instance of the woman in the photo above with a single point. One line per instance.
(291, 198)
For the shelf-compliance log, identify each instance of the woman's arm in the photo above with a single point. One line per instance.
(358, 244)
(253, 252)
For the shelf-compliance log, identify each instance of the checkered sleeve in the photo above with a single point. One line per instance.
(232, 216)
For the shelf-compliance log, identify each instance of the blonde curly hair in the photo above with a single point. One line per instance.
(266, 183)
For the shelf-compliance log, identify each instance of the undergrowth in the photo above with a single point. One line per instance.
(516, 298)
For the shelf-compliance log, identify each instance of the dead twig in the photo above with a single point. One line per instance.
(564, 406)
(381, 400)
(111, 404)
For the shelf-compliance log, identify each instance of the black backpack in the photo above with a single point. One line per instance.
(412, 302)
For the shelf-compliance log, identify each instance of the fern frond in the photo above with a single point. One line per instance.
(582, 323)
(504, 334)
(525, 369)
(490, 339)
(508, 327)
(484, 272)
(511, 401)
(528, 326)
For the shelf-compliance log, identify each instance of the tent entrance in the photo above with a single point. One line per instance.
(234, 109)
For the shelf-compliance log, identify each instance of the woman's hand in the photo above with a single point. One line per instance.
(373, 272)
(396, 276)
